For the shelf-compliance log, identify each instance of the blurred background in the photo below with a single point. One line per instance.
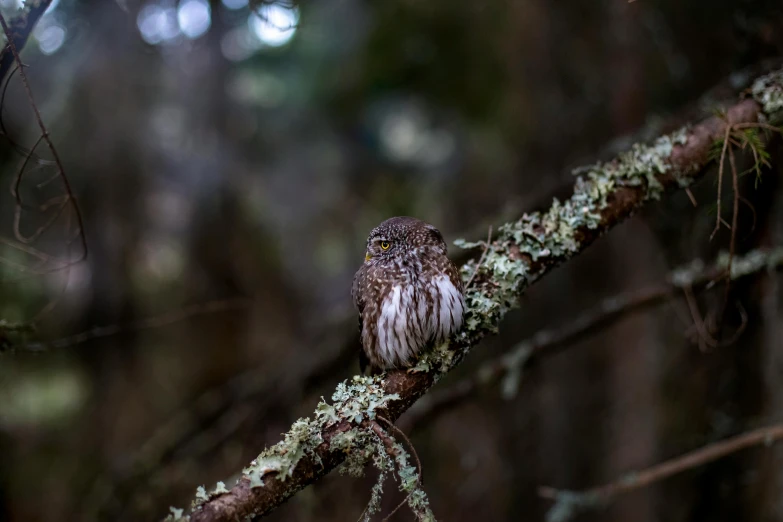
(229, 162)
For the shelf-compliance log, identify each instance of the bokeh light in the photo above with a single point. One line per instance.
(239, 44)
(194, 17)
(262, 89)
(274, 24)
(408, 135)
(50, 37)
(157, 24)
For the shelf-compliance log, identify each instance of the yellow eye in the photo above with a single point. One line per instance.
(385, 245)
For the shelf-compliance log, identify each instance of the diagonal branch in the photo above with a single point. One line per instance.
(569, 503)
(523, 252)
(509, 367)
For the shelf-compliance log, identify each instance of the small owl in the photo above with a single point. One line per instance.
(408, 293)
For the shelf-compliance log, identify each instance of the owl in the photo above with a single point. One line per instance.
(408, 293)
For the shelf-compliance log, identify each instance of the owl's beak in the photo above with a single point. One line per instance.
(367, 256)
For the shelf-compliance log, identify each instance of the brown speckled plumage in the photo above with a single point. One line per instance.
(408, 293)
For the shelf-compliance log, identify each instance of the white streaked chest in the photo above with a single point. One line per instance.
(415, 314)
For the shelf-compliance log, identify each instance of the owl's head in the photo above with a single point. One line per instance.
(402, 236)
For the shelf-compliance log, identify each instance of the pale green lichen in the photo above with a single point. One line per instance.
(556, 235)
(752, 262)
(355, 401)
(741, 266)
(410, 483)
(176, 515)
(376, 495)
(201, 494)
(640, 166)
(569, 504)
(360, 398)
(357, 452)
(768, 92)
(685, 275)
(384, 465)
(386, 460)
(505, 271)
(694, 272)
(440, 358)
(282, 458)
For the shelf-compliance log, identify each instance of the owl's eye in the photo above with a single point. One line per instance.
(385, 245)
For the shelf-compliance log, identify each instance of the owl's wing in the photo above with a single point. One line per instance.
(356, 294)
(453, 273)
(358, 301)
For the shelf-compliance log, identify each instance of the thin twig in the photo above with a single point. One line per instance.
(691, 197)
(752, 211)
(12, 45)
(598, 496)
(149, 323)
(387, 441)
(481, 259)
(756, 125)
(720, 178)
(732, 241)
(409, 443)
(420, 477)
(704, 336)
(393, 451)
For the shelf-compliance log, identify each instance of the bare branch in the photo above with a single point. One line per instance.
(569, 503)
(509, 367)
(524, 251)
(149, 323)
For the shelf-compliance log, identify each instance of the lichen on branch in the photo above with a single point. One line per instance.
(525, 249)
(604, 195)
(768, 92)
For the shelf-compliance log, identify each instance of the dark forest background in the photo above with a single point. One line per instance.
(228, 168)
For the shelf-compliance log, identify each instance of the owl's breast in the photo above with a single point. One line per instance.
(413, 314)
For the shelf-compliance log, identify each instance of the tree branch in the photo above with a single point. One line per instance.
(509, 366)
(569, 503)
(20, 29)
(524, 251)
